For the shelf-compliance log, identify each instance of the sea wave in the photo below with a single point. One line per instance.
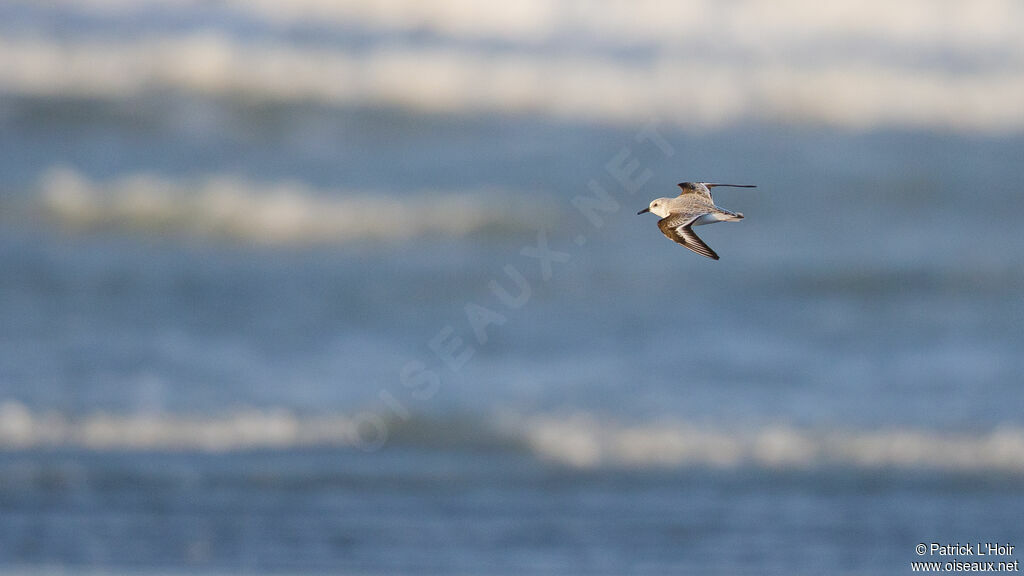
(580, 441)
(588, 442)
(741, 23)
(282, 213)
(248, 429)
(846, 90)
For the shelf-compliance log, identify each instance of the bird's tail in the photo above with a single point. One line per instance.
(728, 216)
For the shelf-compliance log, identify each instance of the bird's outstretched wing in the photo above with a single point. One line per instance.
(713, 184)
(697, 188)
(704, 188)
(678, 227)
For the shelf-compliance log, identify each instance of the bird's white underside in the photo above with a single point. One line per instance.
(711, 219)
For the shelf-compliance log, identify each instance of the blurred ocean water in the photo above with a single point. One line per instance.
(271, 299)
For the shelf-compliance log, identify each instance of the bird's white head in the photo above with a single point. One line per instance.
(659, 206)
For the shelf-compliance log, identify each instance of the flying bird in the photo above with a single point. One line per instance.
(693, 207)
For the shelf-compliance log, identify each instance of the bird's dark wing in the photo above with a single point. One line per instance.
(714, 184)
(697, 188)
(678, 227)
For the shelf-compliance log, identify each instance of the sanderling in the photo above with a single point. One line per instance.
(693, 207)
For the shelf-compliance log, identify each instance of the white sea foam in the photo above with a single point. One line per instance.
(229, 206)
(587, 442)
(580, 441)
(744, 24)
(247, 429)
(851, 88)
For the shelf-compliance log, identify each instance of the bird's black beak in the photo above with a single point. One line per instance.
(648, 209)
